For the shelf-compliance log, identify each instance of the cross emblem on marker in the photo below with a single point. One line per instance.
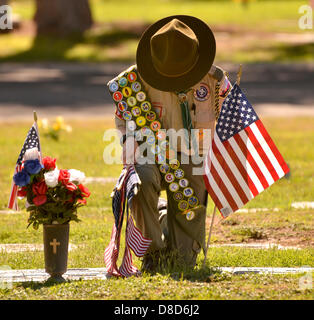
(54, 244)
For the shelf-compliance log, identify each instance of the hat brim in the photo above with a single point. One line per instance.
(207, 52)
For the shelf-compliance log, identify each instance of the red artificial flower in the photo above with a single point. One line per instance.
(22, 192)
(85, 192)
(64, 176)
(71, 186)
(40, 188)
(82, 201)
(49, 163)
(39, 200)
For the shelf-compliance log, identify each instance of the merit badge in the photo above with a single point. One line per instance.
(127, 115)
(126, 91)
(151, 140)
(113, 86)
(170, 155)
(179, 173)
(155, 149)
(132, 76)
(146, 131)
(141, 121)
(169, 177)
(138, 135)
(150, 116)
(146, 106)
(202, 93)
(193, 201)
(161, 135)
(175, 164)
(190, 215)
(136, 86)
(164, 145)
(122, 106)
(178, 196)
(136, 111)
(155, 125)
(183, 205)
(164, 168)
(117, 96)
(160, 158)
(188, 191)
(123, 82)
(141, 96)
(183, 183)
(173, 187)
(131, 125)
(131, 101)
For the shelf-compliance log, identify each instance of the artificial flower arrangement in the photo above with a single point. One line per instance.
(54, 130)
(53, 195)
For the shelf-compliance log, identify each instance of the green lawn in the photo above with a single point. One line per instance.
(294, 138)
(119, 28)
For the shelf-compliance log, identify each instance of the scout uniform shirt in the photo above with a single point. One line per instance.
(201, 101)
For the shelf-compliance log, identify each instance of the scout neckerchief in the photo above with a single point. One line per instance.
(133, 104)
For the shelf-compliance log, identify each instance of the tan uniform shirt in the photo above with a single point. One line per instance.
(202, 95)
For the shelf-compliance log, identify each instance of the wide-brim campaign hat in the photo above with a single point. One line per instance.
(175, 53)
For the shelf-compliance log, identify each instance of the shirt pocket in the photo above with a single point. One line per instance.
(203, 114)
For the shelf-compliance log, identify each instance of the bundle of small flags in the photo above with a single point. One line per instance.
(123, 193)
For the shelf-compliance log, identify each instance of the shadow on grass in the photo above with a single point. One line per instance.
(294, 52)
(51, 48)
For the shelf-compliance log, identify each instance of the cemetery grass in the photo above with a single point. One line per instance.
(252, 32)
(83, 148)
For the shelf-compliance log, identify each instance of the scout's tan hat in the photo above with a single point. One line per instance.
(175, 53)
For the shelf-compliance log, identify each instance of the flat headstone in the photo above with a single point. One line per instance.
(302, 205)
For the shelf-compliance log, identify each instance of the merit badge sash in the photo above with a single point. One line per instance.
(135, 107)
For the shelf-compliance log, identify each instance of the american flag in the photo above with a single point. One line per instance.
(124, 191)
(243, 160)
(31, 141)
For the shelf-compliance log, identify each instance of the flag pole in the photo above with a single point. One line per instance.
(35, 116)
(209, 235)
(239, 75)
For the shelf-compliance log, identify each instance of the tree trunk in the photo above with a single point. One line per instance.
(62, 17)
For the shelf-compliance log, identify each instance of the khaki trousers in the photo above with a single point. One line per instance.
(184, 236)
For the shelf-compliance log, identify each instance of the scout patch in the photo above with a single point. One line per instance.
(136, 86)
(169, 177)
(146, 106)
(127, 115)
(151, 140)
(183, 183)
(161, 134)
(160, 158)
(164, 168)
(173, 187)
(175, 164)
(164, 145)
(150, 116)
(132, 76)
(202, 93)
(113, 86)
(155, 125)
(123, 82)
(179, 173)
(141, 121)
(141, 96)
(136, 111)
(131, 125)
(193, 201)
(190, 215)
(118, 114)
(127, 91)
(131, 101)
(188, 191)
(117, 96)
(122, 106)
(146, 131)
(183, 205)
(225, 88)
(178, 196)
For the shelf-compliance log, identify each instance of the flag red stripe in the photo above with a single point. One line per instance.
(240, 167)
(229, 173)
(272, 146)
(262, 153)
(223, 188)
(251, 161)
(212, 194)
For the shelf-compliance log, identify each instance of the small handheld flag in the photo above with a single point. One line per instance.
(31, 141)
(243, 160)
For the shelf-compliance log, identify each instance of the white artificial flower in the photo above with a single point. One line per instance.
(31, 154)
(51, 178)
(76, 176)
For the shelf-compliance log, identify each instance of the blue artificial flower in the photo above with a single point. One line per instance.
(32, 166)
(22, 178)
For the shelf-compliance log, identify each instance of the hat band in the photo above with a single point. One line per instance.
(178, 74)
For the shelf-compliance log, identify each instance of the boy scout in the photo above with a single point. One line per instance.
(174, 62)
